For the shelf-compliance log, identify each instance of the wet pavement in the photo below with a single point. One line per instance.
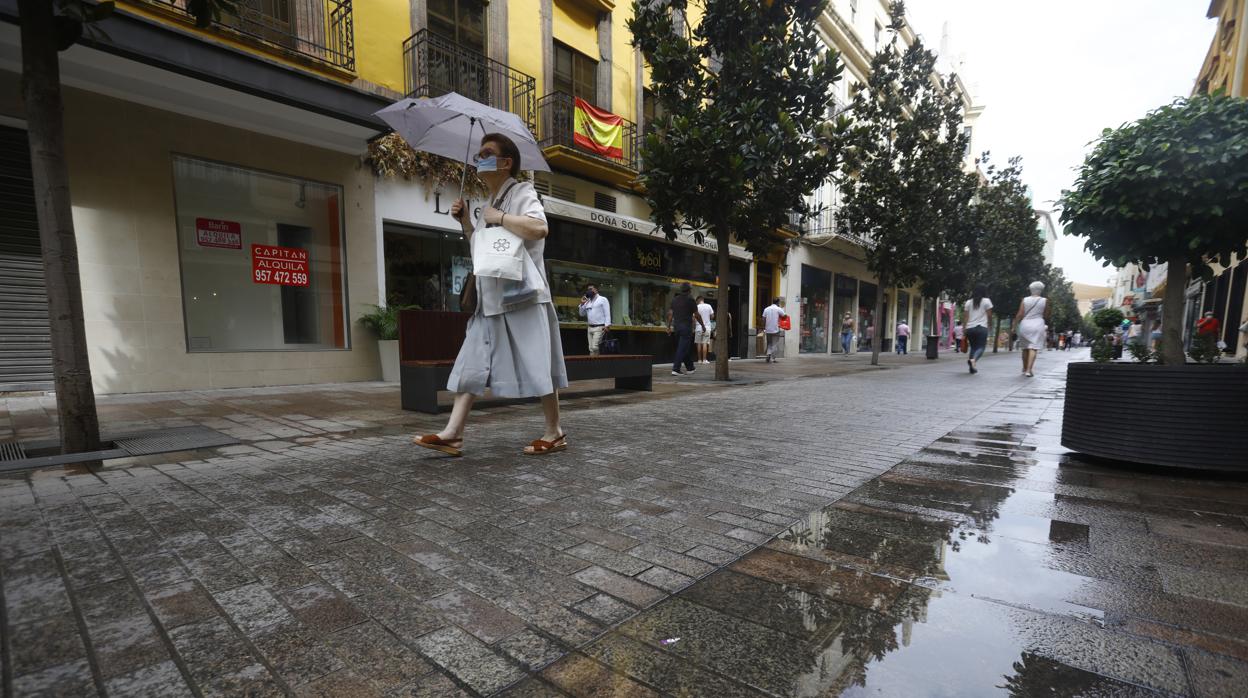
(990, 563)
(944, 545)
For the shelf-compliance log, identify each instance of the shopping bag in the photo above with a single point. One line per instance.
(785, 323)
(498, 252)
(609, 345)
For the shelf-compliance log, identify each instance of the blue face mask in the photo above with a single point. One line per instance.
(488, 164)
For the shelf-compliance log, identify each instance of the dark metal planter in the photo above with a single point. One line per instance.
(1192, 416)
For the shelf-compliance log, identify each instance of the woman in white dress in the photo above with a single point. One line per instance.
(512, 344)
(1031, 321)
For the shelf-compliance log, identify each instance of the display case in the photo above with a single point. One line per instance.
(638, 301)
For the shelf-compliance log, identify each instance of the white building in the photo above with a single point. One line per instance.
(1048, 233)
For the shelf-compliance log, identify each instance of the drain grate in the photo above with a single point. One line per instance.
(11, 450)
(176, 439)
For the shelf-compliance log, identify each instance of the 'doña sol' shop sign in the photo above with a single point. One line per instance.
(284, 266)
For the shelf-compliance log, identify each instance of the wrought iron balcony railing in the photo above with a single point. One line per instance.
(557, 126)
(323, 30)
(434, 66)
(823, 224)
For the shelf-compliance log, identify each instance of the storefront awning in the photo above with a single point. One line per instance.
(632, 226)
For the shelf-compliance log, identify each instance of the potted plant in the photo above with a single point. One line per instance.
(383, 322)
(1171, 188)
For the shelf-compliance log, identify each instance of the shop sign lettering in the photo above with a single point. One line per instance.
(649, 260)
(282, 266)
(615, 222)
(210, 232)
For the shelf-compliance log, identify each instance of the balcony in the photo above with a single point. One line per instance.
(822, 224)
(556, 131)
(434, 66)
(320, 30)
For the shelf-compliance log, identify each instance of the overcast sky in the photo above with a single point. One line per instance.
(1053, 73)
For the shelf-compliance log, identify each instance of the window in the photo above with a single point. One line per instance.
(425, 268)
(460, 21)
(966, 131)
(262, 259)
(651, 110)
(576, 74)
(637, 300)
(878, 30)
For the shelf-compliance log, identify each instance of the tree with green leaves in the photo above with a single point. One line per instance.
(742, 138)
(1063, 307)
(905, 187)
(1009, 251)
(48, 27)
(1170, 188)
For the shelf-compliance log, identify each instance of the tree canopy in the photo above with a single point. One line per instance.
(742, 136)
(905, 187)
(1008, 249)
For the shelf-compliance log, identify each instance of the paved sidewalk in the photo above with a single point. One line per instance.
(359, 566)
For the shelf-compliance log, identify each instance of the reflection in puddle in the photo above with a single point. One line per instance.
(941, 578)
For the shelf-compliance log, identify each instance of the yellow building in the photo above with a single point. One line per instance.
(1226, 69)
(230, 231)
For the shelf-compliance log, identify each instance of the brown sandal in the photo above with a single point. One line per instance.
(451, 447)
(541, 448)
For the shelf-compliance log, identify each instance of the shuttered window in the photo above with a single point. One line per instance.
(25, 339)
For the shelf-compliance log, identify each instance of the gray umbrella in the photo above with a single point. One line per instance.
(447, 126)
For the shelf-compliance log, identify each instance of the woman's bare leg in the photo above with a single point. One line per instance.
(550, 410)
(459, 417)
(1031, 363)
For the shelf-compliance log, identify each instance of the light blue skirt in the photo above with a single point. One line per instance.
(515, 354)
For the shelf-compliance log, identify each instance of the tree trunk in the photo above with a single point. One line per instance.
(722, 312)
(41, 90)
(1172, 311)
(877, 336)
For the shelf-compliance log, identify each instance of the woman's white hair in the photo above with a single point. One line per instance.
(1037, 287)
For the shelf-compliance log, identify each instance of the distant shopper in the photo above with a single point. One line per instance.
(978, 314)
(682, 315)
(771, 327)
(596, 310)
(903, 336)
(1033, 314)
(847, 333)
(1078, 338)
(958, 333)
(702, 336)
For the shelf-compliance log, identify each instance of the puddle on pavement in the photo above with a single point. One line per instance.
(951, 575)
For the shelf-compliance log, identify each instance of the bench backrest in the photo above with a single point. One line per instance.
(431, 335)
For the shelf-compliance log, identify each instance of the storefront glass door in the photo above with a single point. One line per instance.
(866, 315)
(816, 299)
(844, 300)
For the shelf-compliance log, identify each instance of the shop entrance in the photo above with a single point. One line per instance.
(816, 289)
(25, 335)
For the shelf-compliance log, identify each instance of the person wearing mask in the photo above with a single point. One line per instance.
(903, 337)
(771, 327)
(596, 310)
(702, 337)
(682, 314)
(978, 314)
(1031, 319)
(512, 342)
(847, 333)
(1208, 325)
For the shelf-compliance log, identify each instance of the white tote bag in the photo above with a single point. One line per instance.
(496, 252)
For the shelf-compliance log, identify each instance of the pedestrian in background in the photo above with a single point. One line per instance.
(771, 326)
(596, 310)
(1031, 318)
(1208, 325)
(958, 333)
(702, 336)
(847, 333)
(903, 337)
(682, 315)
(978, 314)
(512, 343)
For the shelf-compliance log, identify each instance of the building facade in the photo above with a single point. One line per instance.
(1048, 232)
(824, 275)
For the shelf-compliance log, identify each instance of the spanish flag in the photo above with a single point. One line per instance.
(598, 131)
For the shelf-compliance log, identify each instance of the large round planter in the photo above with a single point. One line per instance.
(1191, 416)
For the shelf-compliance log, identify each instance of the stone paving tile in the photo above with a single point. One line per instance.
(154, 681)
(322, 608)
(486, 621)
(622, 587)
(375, 652)
(605, 609)
(530, 650)
(69, 679)
(469, 660)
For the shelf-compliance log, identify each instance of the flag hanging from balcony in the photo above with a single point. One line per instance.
(598, 131)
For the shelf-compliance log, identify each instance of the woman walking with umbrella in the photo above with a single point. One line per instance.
(512, 344)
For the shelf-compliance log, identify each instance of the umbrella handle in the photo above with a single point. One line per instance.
(463, 176)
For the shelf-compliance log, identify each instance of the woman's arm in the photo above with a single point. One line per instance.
(526, 227)
(1018, 317)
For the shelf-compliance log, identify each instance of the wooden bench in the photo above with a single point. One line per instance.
(429, 341)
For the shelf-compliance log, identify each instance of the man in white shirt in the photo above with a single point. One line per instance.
(596, 310)
(771, 327)
(702, 337)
